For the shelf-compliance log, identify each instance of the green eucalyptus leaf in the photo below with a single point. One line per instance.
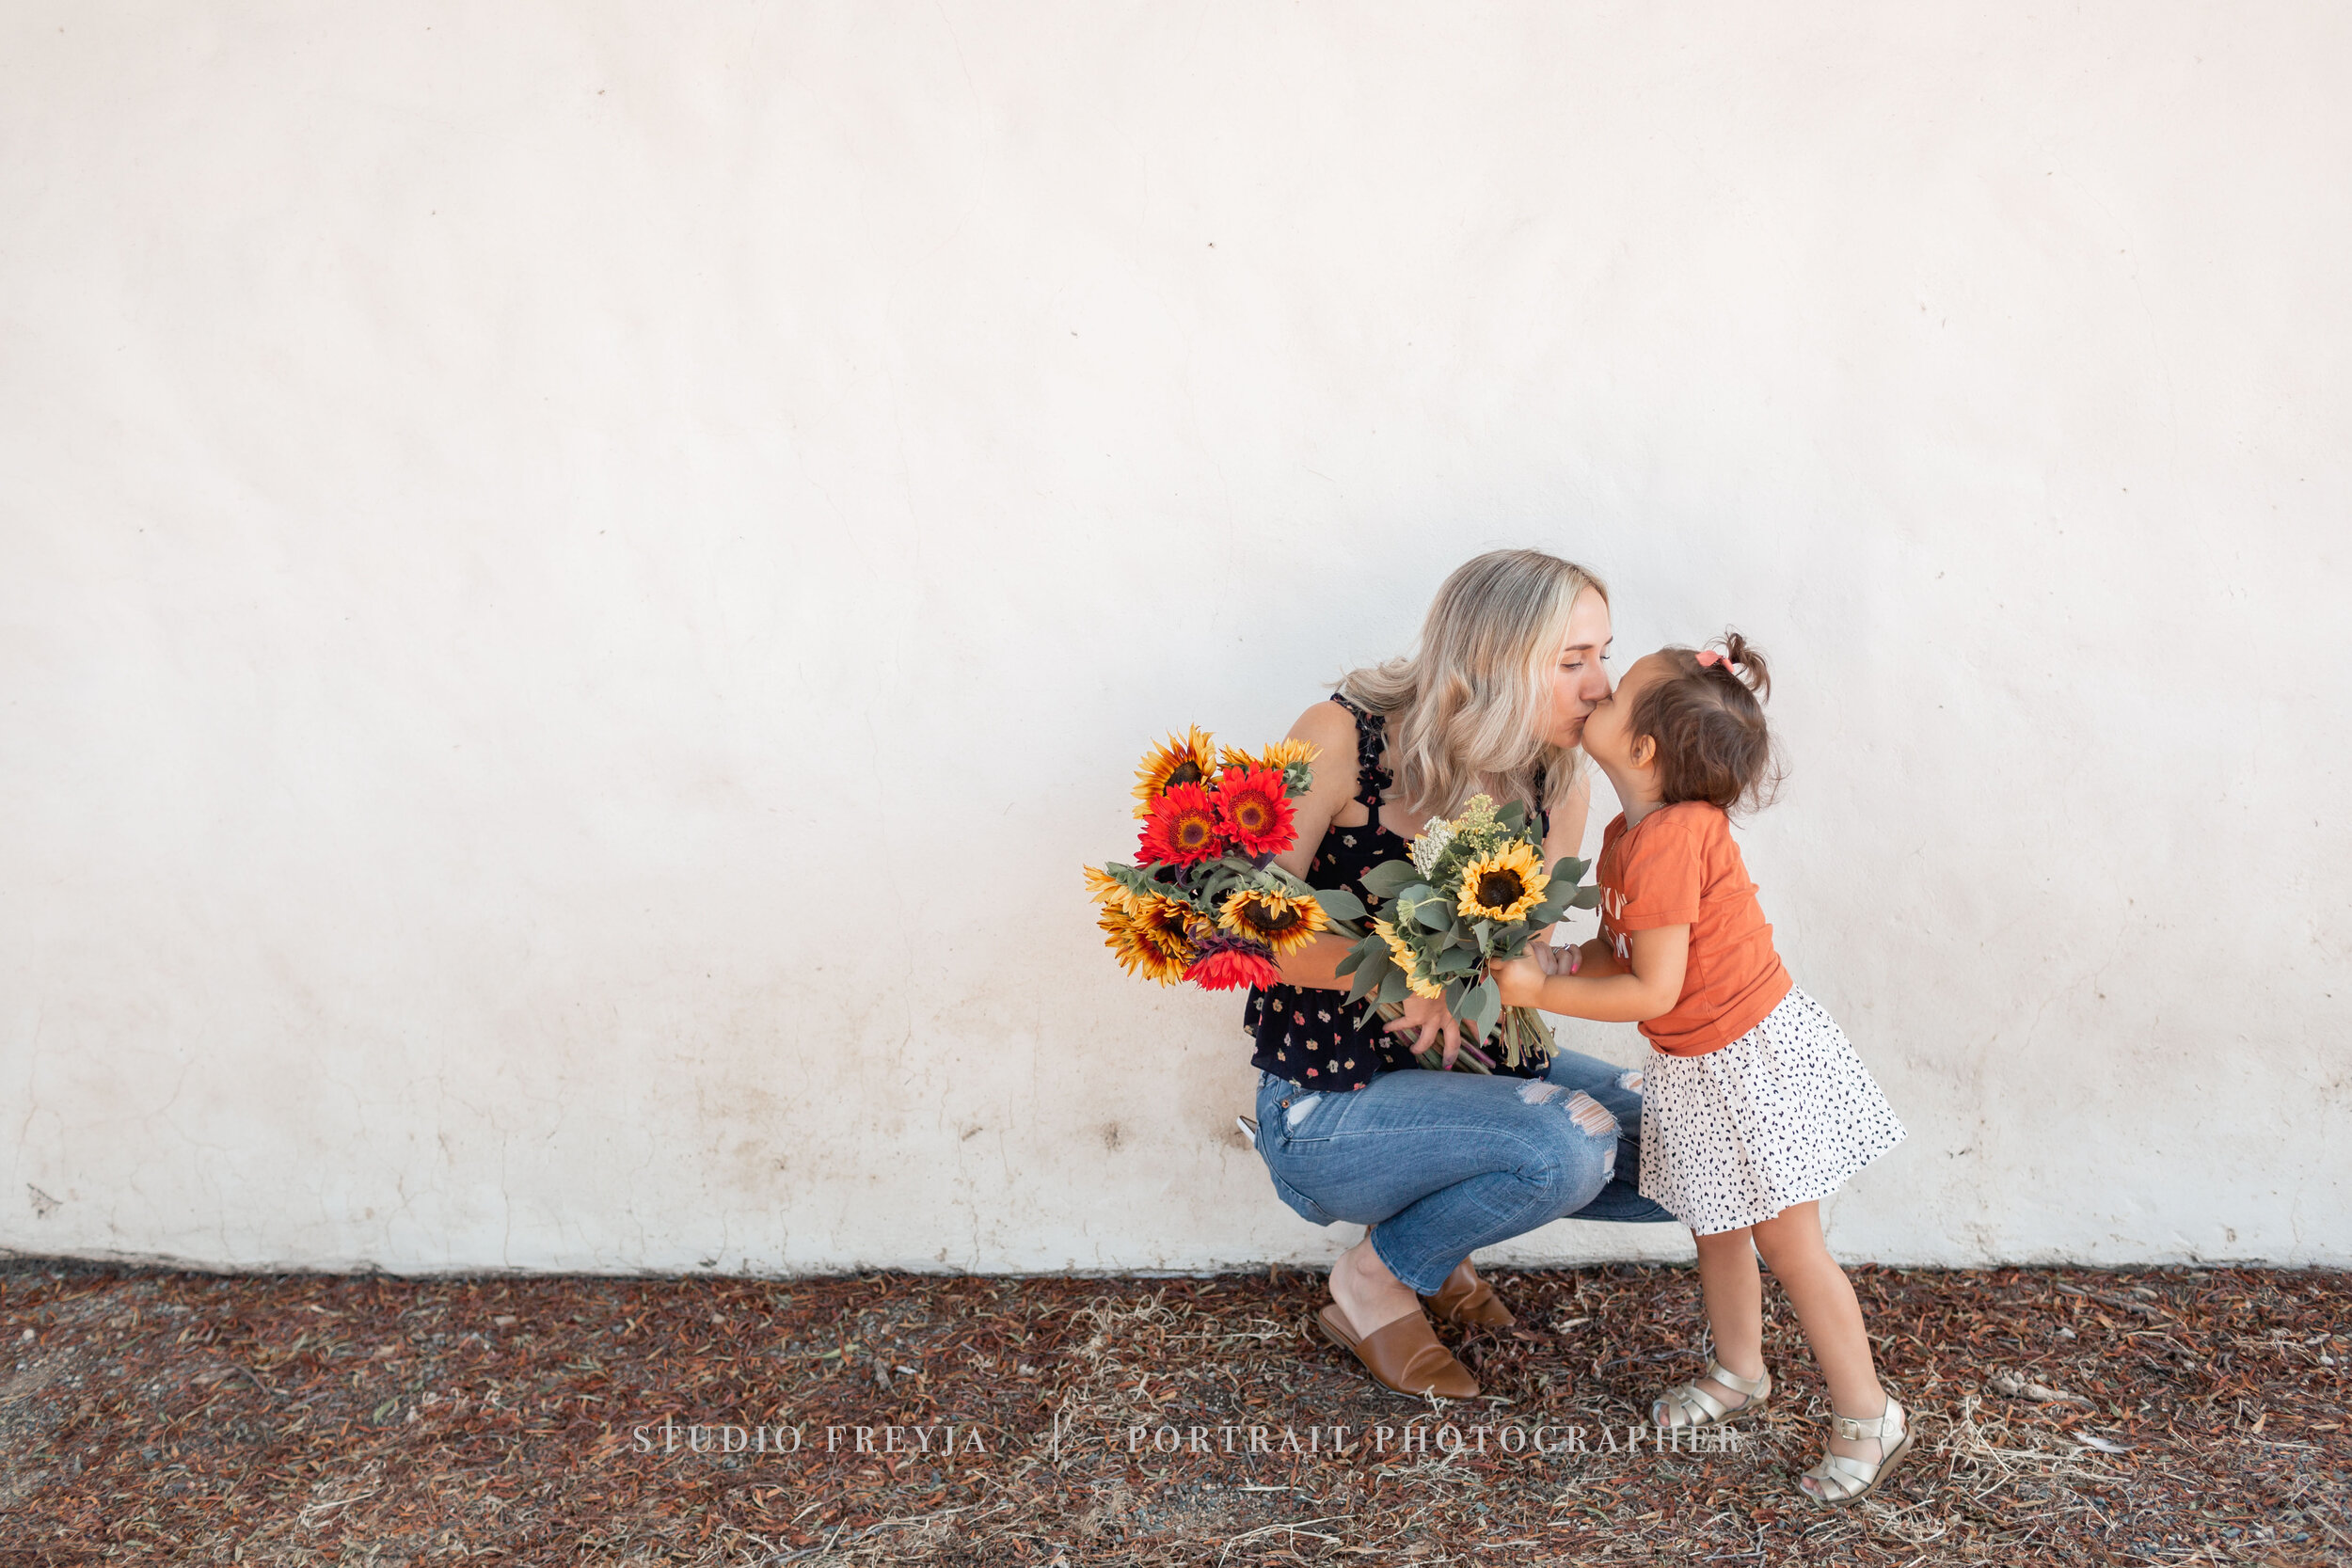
(1587, 898)
(1339, 903)
(1485, 1005)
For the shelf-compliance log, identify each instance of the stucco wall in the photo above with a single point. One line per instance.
(576, 583)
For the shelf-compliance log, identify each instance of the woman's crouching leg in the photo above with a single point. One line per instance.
(1566, 1146)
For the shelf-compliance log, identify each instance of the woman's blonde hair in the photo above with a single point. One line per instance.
(1467, 709)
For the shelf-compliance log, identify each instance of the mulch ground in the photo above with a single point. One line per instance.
(2064, 1416)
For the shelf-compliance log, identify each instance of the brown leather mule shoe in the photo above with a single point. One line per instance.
(1403, 1355)
(1468, 1300)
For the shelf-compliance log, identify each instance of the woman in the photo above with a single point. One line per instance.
(1438, 1164)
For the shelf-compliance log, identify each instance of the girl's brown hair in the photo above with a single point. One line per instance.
(1708, 721)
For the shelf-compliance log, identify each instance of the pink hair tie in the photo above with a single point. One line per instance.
(1709, 658)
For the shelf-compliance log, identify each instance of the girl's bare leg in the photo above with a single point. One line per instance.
(1791, 1243)
(1735, 1309)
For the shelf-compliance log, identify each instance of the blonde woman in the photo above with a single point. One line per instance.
(1437, 1164)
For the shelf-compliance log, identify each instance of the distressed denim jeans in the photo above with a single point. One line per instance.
(1442, 1164)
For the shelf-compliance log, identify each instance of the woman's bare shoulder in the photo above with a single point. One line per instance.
(1330, 729)
(1326, 724)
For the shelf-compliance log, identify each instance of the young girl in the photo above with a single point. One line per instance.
(1754, 1107)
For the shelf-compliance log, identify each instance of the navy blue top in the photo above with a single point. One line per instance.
(1318, 1038)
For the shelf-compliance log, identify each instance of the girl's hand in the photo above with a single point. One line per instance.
(1522, 980)
(1566, 958)
(1425, 1017)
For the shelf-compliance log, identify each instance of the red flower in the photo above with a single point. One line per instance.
(1183, 827)
(1227, 961)
(1254, 809)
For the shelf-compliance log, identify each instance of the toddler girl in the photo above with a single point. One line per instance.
(1754, 1107)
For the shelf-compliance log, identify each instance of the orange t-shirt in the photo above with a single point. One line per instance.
(1681, 867)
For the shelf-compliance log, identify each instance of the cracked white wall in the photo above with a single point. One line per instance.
(575, 582)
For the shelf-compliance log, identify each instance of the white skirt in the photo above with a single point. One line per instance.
(1783, 1114)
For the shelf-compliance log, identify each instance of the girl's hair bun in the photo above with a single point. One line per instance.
(1708, 718)
(1747, 664)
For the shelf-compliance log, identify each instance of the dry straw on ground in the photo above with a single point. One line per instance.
(2178, 1416)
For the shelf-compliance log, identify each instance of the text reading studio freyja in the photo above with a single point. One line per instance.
(670, 1435)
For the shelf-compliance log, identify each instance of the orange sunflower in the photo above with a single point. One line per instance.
(1178, 760)
(1228, 963)
(1183, 827)
(1254, 809)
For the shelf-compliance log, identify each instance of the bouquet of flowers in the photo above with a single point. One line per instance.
(1205, 901)
(1473, 893)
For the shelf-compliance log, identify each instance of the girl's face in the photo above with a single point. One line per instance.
(1609, 737)
(1578, 680)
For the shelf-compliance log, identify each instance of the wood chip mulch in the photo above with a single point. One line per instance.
(2064, 1416)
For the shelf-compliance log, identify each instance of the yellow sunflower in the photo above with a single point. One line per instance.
(1187, 758)
(1279, 755)
(1105, 888)
(1281, 920)
(1150, 941)
(1504, 884)
(1404, 960)
(1171, 916)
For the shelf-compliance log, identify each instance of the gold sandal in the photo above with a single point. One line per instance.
(1693, 1406)
(1858, 1477)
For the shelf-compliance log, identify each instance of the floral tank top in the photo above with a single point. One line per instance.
(1318, 1038)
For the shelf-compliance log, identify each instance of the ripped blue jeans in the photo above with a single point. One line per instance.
(1442, 1164)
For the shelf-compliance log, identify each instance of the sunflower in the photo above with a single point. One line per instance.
(1183, 827)
(1280, 920)
(1144, 943)
(1279, 755)
(1227, 961)
(1175, 920)
(1504, 884)
(1105, 888)
(1178, 760)
(1405, 959)
(1255, 812)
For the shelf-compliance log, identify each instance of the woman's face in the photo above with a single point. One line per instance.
(1609, 737)
(1578, 679)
